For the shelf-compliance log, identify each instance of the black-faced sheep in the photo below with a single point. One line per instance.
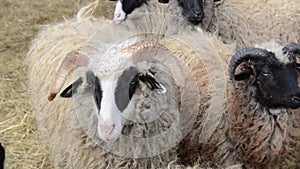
(260, 128)
(191, 9)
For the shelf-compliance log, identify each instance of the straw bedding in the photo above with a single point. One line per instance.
(18, 131)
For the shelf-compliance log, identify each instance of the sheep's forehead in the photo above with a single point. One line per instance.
(274, 47)
(283, 58)
(111, 65)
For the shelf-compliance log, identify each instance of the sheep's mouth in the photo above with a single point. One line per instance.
(195, 20)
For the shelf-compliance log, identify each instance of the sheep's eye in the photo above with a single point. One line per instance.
(134, 81)
(266, 73)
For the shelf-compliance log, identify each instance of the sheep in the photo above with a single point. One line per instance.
(2, 157)
(259, 128)
(253, 22)
(76, 136)
(191, 9)
(211, 126)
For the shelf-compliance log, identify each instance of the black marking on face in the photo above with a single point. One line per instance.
(126, 87)
(130, 5)
(94, 82)
(276, 83)
(133, 85)
(277, 86)
(192, 10)
(71, 89)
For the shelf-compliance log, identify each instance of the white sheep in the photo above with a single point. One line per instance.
(253, 22)
(77, 136)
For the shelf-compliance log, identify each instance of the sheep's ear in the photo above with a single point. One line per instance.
(244, 74)
(71, 89)
(151, 82)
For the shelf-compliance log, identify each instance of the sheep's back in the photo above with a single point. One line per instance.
(256, 22)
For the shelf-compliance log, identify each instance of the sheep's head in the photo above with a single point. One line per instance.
(191, 9)
(125, 7)
(275, 80)
(114, 79)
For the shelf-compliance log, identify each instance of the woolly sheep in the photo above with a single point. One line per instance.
(72, 136)
(253, 22)
(260, 126)
(191, 9)
(226, 156)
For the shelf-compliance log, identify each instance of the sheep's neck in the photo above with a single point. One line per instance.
(260, 136)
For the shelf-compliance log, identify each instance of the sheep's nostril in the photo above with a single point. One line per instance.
(295, 98)
(197, 13)
(117, 16)
(107, 130)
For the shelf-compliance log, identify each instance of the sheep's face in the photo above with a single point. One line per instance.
(125, 7)
(193, 10)
(276, 83)
(113, 95)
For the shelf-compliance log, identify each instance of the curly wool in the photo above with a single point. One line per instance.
(253, 135)
(263, 138)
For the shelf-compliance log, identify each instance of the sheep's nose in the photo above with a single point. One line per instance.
(197, 12)
(107, 130)
(195, 17)
(118, 18)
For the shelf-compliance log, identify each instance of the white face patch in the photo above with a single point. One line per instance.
(284, 58)
(119, 14)
(109, 117)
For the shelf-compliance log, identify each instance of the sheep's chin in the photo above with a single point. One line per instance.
(113, 136)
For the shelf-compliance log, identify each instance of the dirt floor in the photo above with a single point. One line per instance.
(20, 21)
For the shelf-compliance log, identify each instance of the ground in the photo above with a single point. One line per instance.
(20, 21)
